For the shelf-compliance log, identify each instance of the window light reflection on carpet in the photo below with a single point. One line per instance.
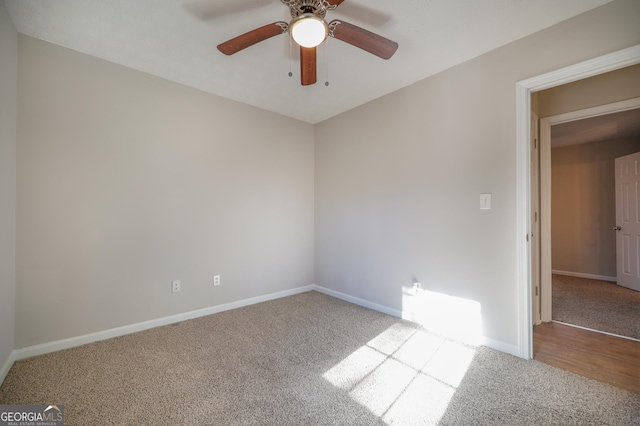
(404, 375)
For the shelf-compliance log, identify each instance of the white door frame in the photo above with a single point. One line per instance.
(535, 221)
(545, 185)
(613, 61)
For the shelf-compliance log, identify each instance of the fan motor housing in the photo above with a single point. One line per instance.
(317, 7)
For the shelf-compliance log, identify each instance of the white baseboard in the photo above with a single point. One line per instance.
(58, 345)
(484, 341)
(358, 301)
(581, 275)
(7, 366)
(501, 346)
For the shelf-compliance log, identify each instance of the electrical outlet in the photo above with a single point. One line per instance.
(175, 286)
(417, 286)
(216, 280)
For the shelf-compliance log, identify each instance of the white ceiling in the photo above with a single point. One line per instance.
(177, 39)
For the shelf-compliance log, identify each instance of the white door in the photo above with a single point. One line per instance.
(627, 227)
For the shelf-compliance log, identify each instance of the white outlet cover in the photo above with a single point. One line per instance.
(175, 286)
(216, 280)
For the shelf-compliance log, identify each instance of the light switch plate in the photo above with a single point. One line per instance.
(485, 201)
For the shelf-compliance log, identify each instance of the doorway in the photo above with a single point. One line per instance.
(579, 216)
(524, 89)
(546, 189)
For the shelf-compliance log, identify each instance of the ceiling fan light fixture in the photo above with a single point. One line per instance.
(308, 30)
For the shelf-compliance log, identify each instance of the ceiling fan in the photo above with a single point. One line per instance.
(309, 29)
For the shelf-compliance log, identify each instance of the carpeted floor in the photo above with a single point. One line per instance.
(599, 305)
(308, 359)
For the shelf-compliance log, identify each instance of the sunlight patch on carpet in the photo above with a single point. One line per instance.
(404, 375)
(354, 368)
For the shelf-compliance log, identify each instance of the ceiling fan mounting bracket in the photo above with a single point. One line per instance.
(283, 25)
(332, 26)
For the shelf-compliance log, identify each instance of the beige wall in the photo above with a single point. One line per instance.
(398, 179)
(8, 103)
(583, 206)
(127, 182)
(602, 89)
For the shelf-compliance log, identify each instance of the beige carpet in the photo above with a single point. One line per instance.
(308, 359)
(595, 304)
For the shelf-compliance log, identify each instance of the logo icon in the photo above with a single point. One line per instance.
(32, 415)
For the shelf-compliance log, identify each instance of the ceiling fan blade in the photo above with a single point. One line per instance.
(308, 65)
(335, 3)
(365, 40)
(245, 40)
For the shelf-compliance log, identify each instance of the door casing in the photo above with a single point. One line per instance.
(535, 219)
(610, 62)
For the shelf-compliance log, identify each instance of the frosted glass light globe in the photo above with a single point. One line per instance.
(308, 30)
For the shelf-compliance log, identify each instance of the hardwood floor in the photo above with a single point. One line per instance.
(601, 357)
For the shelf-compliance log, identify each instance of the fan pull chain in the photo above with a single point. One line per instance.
(326, 49)
(290, 59)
